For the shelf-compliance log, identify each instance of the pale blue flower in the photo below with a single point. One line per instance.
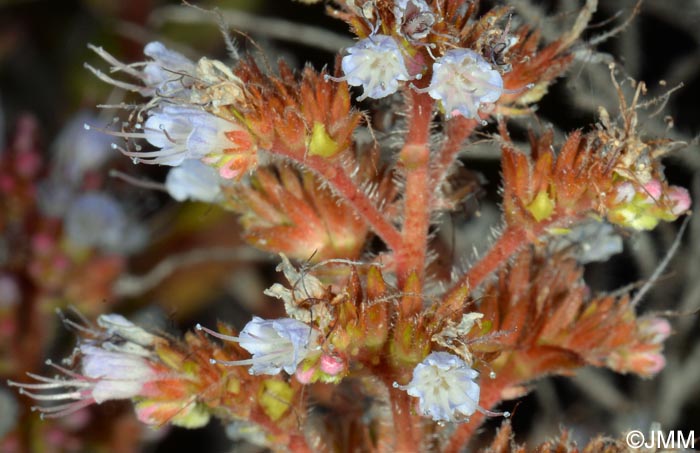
(96, 219)
(106, 374)
(167, 73)
(276, 344)
(463, 81)
(114, 375)
(193, 180)
(181, 133)
(377, 65)
(445, 387)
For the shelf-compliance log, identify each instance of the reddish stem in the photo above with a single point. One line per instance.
(491, 391)
(338, 178)
(458, 130)
(403, 422)
(415, 157)
(510, 241)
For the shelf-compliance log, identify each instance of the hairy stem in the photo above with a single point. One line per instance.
(511, 241)
(491, 391)
(403, 422)
(415, 157)
(458, 130)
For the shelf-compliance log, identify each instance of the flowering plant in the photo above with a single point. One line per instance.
(427, 348)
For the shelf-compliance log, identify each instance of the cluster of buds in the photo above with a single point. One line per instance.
(548, 191)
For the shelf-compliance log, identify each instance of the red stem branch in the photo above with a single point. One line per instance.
(458, 130)
(491, 391)
(403, 421)
(511, 240)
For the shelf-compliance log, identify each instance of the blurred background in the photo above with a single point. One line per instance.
(171, 265)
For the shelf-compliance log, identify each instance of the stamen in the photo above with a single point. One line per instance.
(117, 83)
(232, 362)
(529, 86)
(70, 409)
(216, 334)
(67, 372)
(328, 77)
(142, 183)
(489, 413)
(56, 397)
(252, 339)
(116, 64)
(151, 154)
(120, 134)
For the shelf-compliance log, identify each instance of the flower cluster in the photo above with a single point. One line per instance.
(462, 80)
(185, 115)
(117, 368)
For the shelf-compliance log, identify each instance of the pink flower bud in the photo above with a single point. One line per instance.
(680, 199)
(653, 189)
(331, 365)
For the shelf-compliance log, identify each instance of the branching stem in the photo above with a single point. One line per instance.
(458, 130)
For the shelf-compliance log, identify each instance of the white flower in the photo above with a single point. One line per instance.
(115, 375)
(277, 344)
(445, 387)
(106, 375)
(167, 74)
(169, 71)
(414, 18)
(377, 65)
(181, 133)
(95, 219)
(193, 180)
(115, 324)
(462, 81)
